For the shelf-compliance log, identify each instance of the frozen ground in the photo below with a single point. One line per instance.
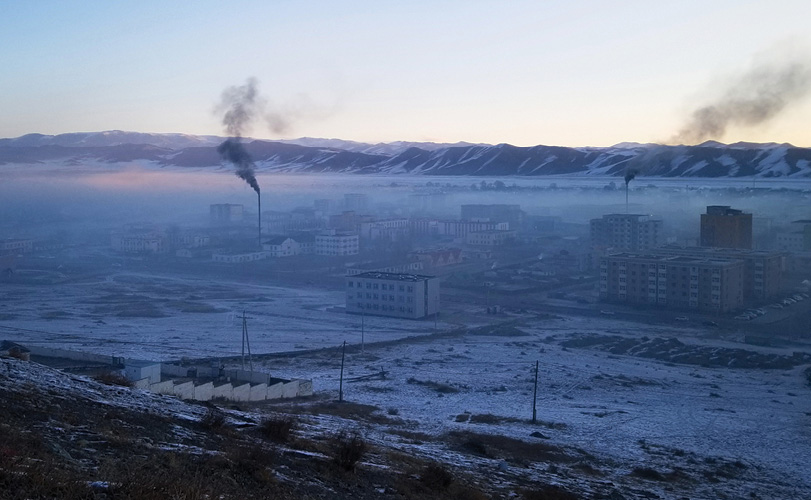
(627, 411)
(146, 316)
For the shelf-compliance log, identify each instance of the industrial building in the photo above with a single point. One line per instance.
(392, 294)
(675, 282)
(726, 227)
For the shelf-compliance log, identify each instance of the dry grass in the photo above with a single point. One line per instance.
(113, 378)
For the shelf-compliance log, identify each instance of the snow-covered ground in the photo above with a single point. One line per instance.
(613, 406)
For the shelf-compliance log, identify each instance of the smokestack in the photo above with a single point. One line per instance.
(630, 175)
(239, 106)
(259, 218)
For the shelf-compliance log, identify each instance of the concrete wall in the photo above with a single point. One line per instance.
(166, 387)
(136, 372)
(141, 384)
(242, 393)
(225, 391)
(203, 392)
(259, 392)
(248, 376)
(72, 355)
(174, 370)
(305, 388)
(184, 390)
(275, 391)
(290, 389)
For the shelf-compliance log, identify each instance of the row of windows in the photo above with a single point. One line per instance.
(384, 307)
(381, 286)
(384, 297)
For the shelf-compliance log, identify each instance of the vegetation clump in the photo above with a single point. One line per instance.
(348, 449)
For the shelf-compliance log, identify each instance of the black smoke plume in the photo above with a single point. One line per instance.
(233, 151)
(753, 99)
(239, 106)
(630, 175)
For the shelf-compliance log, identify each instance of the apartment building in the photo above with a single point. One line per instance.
(397, 295)
(337, 243)
(763, 271)
(726, 227)
(675, 282)
(625, 232)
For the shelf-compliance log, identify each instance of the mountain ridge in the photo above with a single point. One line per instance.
(311, 155)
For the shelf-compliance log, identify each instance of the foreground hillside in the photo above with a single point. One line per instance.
(711, 159)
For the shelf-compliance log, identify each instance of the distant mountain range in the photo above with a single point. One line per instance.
(710, 159)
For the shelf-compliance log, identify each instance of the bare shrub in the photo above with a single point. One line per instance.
(348, 449)
(648, 473)
(548, 493)
(278, 429)
(113, 378)
(213, 420)
(436, 477)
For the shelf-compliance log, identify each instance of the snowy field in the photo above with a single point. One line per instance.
(161, 318)
(616, 407)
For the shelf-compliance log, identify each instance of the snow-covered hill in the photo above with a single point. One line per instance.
(710, 159)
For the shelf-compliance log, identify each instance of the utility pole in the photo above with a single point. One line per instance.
(246, 341)
(362, 332)
(341, 386)
(535, 396)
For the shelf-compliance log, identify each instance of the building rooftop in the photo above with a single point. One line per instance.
(675, 259)
(393, 276)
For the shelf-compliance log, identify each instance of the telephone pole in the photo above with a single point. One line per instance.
(341, 386)
(246, 341)
(535, 396)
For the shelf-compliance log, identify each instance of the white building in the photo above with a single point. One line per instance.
(389, 229)
(238, 257)
(460, 228)
(281, 246)
(493, 238)
(337, 243)
(389, 294)
(148, 242)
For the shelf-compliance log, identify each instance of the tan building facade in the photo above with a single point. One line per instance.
(675, 282)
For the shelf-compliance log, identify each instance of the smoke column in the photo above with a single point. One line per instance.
(240, 106)
(753, 99)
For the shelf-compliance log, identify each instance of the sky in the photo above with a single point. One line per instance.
(567, 73)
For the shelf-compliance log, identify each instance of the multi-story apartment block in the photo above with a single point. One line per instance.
(460, 228)
(389, 229)
(356, 201)
(625, 232)
(16, 246)
(139, 239)
(226, 214)
(337, 243)
(511, 214)
(490, 238)
(389, 294)
(677, 282)
(763, 271)
(726, 227)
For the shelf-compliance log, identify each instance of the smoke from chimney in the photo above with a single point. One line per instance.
(630, 175)
(751, 100)
(239, 107)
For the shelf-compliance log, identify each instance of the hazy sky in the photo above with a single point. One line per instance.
(570, 73)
